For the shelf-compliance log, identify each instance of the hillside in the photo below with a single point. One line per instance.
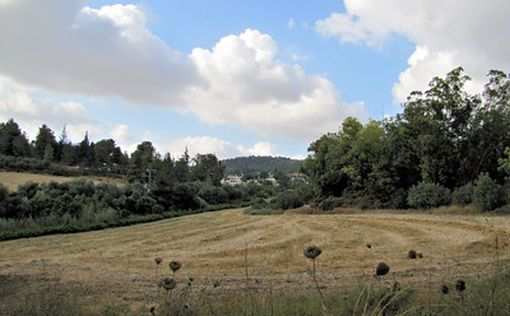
(256, 164)
(117, 265)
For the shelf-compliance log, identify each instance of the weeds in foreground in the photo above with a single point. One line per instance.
(377, 295)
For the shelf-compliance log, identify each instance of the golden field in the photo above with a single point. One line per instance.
(117, 265)
(12, 180)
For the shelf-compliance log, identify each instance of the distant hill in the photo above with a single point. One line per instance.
(256, 164)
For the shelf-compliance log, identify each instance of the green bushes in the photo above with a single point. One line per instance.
(428, 195)
(288, 200)
(487, 194)
(463, 195)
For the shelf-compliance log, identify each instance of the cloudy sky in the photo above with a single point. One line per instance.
(233, 77)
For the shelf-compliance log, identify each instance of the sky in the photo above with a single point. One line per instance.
(232, 77)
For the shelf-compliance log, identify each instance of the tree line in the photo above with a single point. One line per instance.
(156, 186)
(445, 146)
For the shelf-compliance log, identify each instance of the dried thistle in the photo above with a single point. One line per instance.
(412, 254)
(174, 265)
(460, 286)
(382, 269)
(445, 289)
(158, 260)
(168, 284)
(312, 252)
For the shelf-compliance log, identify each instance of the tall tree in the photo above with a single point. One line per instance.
(140, 164)
(13, 141)
(44, 138)
(207, 168)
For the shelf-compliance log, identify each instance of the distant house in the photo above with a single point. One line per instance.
(297, 176)
(232, 180)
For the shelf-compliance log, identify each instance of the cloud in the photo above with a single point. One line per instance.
(19, 103)
(221, 148)
(291, 24)
(122, 134)
(71, 48)
(262, 149)
(109, 51)
(247, 85)
(447, 34)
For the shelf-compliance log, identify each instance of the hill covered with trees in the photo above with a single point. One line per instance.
(261, 164)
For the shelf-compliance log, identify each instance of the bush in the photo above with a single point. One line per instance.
(331, 202)
(428, 195)
(487, 194)
(463, 195)
(288, 200)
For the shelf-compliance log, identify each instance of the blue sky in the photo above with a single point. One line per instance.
(233, 77)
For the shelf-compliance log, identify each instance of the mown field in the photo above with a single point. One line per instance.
(116, 266)
(13, 179)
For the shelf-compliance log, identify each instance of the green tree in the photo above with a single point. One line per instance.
(43, 139)
(13, 141)
(141, 161)
(207, 168)
(182, 169)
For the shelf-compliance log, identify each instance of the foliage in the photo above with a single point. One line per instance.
(487, 194)
(261, 165)
(463, 195)
(443, 136)
(428, 195)
(288, 200)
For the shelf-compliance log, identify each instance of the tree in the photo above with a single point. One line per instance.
(207, 168)
(107, 153)
(13, 141)
(141, 160)
(43, 139)
(182, 171)
(48, 153)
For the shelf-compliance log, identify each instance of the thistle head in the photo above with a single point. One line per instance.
(174, 265)
(158, 260)
(168, 284)
(312, 252)
(445, 289)
(460, 286)
(412, 254)
(382, 269)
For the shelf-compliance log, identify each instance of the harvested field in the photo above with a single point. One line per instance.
(117, 265)
(13, 179)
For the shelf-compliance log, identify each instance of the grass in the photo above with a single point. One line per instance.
(115, 267)
(13, 179)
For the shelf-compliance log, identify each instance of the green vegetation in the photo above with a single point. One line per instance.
(444, 140)
(257, 165)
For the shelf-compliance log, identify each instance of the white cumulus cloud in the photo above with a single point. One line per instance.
(247, 85)
(30, 112)
(468, 33)
(68, 47)
(221, 148)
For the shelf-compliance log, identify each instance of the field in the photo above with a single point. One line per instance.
(13, 179)
(116, 266)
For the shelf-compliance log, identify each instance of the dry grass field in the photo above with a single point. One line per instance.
(13, 179)
(117, 265)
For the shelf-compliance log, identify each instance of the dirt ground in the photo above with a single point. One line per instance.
(117, 265)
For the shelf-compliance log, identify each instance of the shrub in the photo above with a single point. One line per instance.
(463, 195)
(428, 195)
(288, 200)
(487, 194)
(330, 203)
